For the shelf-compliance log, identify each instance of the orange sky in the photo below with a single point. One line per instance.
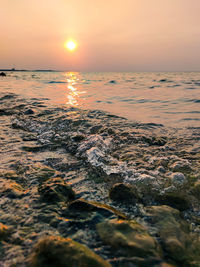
(112, 35)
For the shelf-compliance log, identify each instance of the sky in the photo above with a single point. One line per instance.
(112, 35)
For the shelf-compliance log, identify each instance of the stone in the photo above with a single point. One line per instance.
(181, 166)
(174, 234)
(124, 192)
(177, 200)
(196, 189)
(178, 179)
(56, 190)
(63, 252)
(129, 238)
(2, 74)
(4, 231)
(29, 112)
(81, 205)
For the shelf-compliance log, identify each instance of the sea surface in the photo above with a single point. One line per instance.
(169, 98)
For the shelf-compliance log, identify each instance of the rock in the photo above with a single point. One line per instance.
(178, 179)
(177, 200)
(173, 232)
(2, 74)
(4, 231)
(29, 112)
(161, 169)
(196, 189)
(155, 140)
(81, 205)
(129, 238)
(12, 190)
(56, 251)
(146, 184)
(181, 166)
(55, 190)
(124, 192)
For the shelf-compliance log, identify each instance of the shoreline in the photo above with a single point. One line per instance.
(88, 174)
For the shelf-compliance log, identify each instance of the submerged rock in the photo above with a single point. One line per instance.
(177, 200)
(81, 205)
(173, 232)
(55, 190)
(196, 189)
(63, 252)
(124, 192)
(129, 238)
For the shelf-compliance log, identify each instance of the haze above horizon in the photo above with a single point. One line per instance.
(129, 35)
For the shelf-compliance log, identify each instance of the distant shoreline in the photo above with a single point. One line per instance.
(30, 70)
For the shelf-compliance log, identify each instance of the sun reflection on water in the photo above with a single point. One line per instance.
(73, 96)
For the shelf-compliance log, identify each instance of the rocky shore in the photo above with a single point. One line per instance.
(88, 188)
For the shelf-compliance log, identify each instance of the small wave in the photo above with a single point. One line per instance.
(57, 82)
(190, 119)
(193, 112)
(107, 102)
(112, 81)
(165, 81)
(192, 100)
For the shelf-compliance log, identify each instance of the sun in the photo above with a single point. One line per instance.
(70, 45)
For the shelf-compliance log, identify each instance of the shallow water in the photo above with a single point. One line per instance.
(172, 99)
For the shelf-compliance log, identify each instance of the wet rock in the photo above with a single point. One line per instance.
(2, 74)
(57, 251)
(129, 238)
(81, 205)
(181, 166)
(4, 231)
(95, 129)
(125, 193)
(178, 179)
(55, 190)
(146, 184)
(29, 112)
(173, 232)
(196, 189)
(155, 140)
(161, 169)
(177, 200)
(12, 190)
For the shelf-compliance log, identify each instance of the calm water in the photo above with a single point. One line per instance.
(172, 99)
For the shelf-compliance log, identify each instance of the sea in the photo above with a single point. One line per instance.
(168, 98)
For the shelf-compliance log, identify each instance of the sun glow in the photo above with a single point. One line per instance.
(71, 45)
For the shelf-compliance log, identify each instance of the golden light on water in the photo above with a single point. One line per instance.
(73, 96)
(70, 45)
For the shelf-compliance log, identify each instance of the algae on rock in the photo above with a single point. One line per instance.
(129, 238)
(63, 252)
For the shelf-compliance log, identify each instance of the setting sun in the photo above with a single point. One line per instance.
(71, 45)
